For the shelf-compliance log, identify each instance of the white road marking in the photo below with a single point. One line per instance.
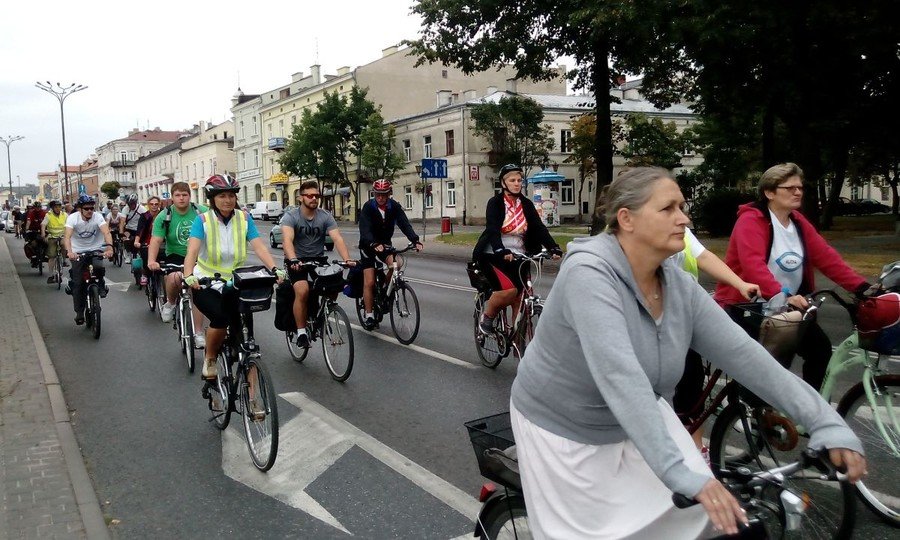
(440, 284)
(117, 286)
(416, 348)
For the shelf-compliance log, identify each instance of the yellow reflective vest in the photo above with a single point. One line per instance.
(56, 225)
(225, 246)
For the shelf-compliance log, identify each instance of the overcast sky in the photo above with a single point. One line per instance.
(165, 63)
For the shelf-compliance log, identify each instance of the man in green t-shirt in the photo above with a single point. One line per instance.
(173, 225)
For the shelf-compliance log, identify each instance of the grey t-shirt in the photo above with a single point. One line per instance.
(309, 234)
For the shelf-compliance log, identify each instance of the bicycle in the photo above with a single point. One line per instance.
(37, 257)
(155, 290)
(58, 261)
(507, 336)
(239, 363)
(92, 275)
(396, 297)
(184, 320)
(118, 250)
(325, 320)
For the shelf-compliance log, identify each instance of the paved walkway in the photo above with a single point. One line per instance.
(45, 490)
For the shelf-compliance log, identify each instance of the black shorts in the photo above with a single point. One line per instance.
(174, 258)
(367, 257)
(304, 274)
(503, 275)
(221, 308)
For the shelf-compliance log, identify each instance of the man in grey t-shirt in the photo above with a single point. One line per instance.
(303, 230)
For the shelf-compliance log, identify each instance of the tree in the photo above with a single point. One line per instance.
(651, 142)
(378, 158)
(111, 189)
(584, 130)
(513, 128)
(324, 142)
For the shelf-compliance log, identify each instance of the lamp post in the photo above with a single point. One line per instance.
(62, 92)
(8, 141)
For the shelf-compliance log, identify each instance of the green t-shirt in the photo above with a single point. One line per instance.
(179, 229)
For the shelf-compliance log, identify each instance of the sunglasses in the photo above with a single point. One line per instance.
(312, 196)
(792, 189)
(87, 209)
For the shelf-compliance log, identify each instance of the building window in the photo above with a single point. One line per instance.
(212, 166)
(257, 190)
(255, 128)
(123, 156)
(451, 193)
(202, 169)
(429, 197)
(124, 176)
(408, 195)
(273, 197)
(451, 147)
(565, 141)
(567, 193)
(243, 160)
(281, 128)
(269, 125)
(426, 146)
(256, 159)
(224, 135)
(294, 120)
(407, 150)
(688, 152)
(195, 171)
(242, 129)
(443, 73)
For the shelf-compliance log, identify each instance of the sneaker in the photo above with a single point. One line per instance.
(143, 281)
(369, 323)
(79, 319)
(303, 340)
(209, 368)
(104, 291)
(51, 279)
(69, 288)
(167, 312)
(257, 413)
(486, 325)
(199, 341)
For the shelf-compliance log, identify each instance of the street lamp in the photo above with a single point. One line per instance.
(62, 92)
(8, 141)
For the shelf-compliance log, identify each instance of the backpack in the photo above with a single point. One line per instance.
(168, 219)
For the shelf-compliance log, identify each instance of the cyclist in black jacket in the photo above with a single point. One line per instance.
(377, 219)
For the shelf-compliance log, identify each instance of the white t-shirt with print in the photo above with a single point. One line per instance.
(86, 235)
(787, 256)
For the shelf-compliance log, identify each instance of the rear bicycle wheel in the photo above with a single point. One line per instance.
(877, 424)
(297, 353)
(161, 299)
(337, 342)
(59, 268)
(221, 401)
(507, 520)
(260, 415)
(94, 293)
(361, 311)
(405, 316)
(151, 294)
(186, 333)
(737, 440)
(492, 347)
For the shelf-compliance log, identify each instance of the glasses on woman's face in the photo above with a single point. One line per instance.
(312, 196)
(153, 204)
(87, 208)
(792, 189)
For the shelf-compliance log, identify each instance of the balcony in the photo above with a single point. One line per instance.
(277, 143)
(122, 163)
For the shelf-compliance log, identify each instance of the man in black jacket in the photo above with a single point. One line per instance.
(376, 227)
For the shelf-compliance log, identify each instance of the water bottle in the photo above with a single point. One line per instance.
(777, 304)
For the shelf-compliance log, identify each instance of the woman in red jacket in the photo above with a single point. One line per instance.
(774, 246)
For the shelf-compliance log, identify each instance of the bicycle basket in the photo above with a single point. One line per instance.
(329, 280)
(254, 286)
(476, 277)
(780, 334)
(879, 324)
(492, 433)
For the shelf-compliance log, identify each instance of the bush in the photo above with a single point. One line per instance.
(716, 211)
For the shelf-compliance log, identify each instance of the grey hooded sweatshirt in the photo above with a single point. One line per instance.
(599, 361)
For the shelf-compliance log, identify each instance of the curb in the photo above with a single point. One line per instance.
(85, 496)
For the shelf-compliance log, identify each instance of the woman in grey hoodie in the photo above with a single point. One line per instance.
(600, 449)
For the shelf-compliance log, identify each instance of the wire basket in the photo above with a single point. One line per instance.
(490, 434)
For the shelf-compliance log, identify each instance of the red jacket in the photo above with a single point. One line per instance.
(750, 246)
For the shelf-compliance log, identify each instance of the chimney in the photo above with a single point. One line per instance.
(296, 76)
(133, 131)
(443, 97)
(470, 94)
(202, 126)
(343, 70)
(511, 86)
(491, 90)
(316, 74)
(387, 51)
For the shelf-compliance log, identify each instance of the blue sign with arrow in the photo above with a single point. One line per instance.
(434, 168)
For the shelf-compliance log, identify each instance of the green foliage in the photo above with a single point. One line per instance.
(584, 133)
(716, 211)
(652, 142)
(111, 189)
(514, 131)
(378, 157)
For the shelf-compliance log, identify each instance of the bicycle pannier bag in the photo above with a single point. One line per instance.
(354, 287)
(476, 277)
(284, 307)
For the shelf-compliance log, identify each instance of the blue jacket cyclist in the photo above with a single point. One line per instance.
(218, 245)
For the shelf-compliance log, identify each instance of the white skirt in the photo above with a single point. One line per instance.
(574, 490)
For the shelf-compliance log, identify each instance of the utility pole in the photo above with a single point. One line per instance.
(61, 93)
(8, 141)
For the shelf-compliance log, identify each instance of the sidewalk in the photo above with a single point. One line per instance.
(45, 490)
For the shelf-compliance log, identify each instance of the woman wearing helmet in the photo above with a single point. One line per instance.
(377, 219)
(513, 227)
(132, 221)
(218, 245)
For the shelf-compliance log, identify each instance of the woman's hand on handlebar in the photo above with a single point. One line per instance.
(192, 281)
(723, 509)
(852, 462)
(748, 290)
(798, 301)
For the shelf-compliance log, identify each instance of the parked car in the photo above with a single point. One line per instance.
(265, 210)
(869, 206)
(275, 237)
(6, 222)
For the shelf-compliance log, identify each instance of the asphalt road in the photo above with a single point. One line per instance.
(383, 455)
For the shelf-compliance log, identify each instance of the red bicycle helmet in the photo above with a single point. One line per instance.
(220, 183)
(381, 186)
(879, 324)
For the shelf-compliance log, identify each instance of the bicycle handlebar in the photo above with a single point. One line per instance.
(168, 268)
(391, 250)
(318, 264)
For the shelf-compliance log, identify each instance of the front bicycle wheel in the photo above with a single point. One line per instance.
(877, 424)
(161, 298)
(186, 334)
(59, 267)
(491, 348)
(748, 441)
(118, 257)
(94, 292)
(221, 402)
(151, 294)
(337, 342)
(405, 316)
(260, 414)
(361, 311)
(297, 352)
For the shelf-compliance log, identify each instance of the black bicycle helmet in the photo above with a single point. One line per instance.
(220, 183)
(54, 202)
(84, 199)
(504, 170)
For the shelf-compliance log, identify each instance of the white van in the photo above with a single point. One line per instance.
(266, 210)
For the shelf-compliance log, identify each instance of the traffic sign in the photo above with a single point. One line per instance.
(434, 168)
(82, 189)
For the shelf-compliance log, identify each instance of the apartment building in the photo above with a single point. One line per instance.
(116, 158)
(248, 145)
(210, 152)
(158, 170)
